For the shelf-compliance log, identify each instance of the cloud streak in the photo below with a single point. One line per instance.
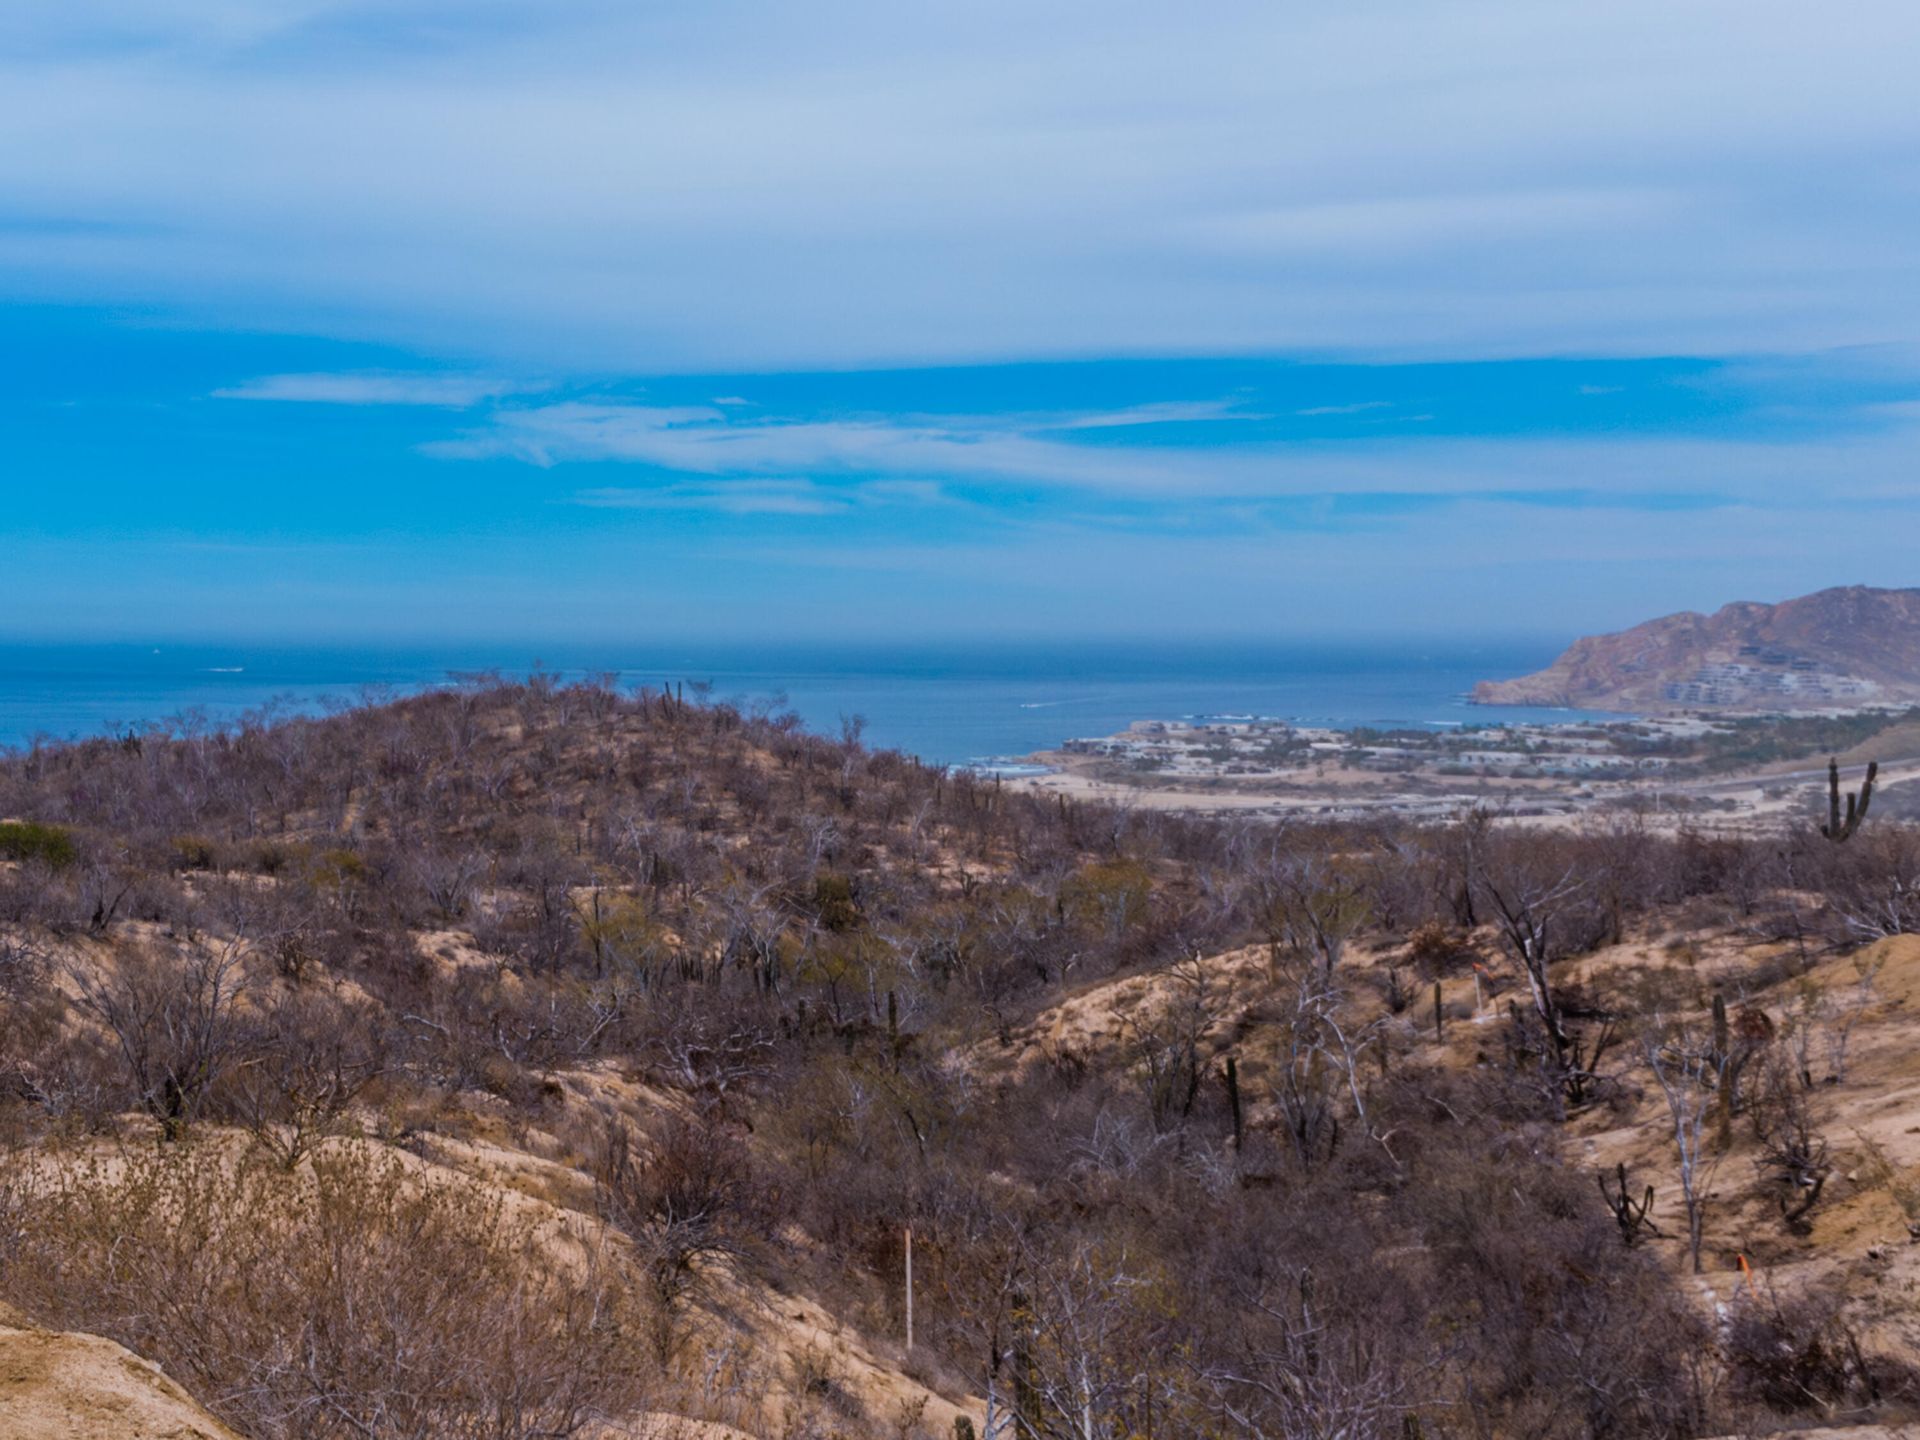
(698, 440)
(439, 391)
(791, 498)
(1026, 453)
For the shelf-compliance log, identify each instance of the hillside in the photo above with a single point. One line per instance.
(1848, 646)
(525, 1060)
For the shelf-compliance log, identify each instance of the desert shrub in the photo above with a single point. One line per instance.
(310, 1057)
(683, 1198)
(1872, 883)
(834, 902)
(194, 852)
(22, 965)
(354, 1297)
(1793, 1156)
(1108, 894)
(31, 1032)
(174, 1019)
(1796, 1353)
(1436, 948)
(28, 840)
(1556, 1351)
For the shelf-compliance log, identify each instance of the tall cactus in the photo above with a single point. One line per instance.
(1233, 1100)
(1837, 829)
(1632, 1216)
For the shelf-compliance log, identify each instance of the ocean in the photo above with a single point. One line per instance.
(980, 704)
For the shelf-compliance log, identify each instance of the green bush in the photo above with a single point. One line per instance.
(194, 852)
(30, 840)
(834, 902)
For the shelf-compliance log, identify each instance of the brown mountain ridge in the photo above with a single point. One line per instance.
(1851, 645)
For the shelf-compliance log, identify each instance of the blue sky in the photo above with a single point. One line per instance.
(409, 320)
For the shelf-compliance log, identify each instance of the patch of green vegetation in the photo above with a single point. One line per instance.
(194, 852)
(834, 902)
(1364, 735)
(30, 840)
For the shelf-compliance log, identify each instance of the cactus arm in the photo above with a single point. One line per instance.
(1837, 829)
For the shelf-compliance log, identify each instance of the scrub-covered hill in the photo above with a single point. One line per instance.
(533, 1060)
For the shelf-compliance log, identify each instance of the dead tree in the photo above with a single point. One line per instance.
(1689, 1077)
(1527, 907)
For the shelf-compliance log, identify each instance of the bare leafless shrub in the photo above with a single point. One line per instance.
(350, 1298)
(682, 1197)
(1307, 1079)
(51, 1072)
(447, 877)
(308, 1058)
(1537, 895)
(1797, 1353)
(1165, 1046)
(1837, 1020)
(22, 965)
(1312, 904)
(1872, 886)
(705, 1049)
(1793, 1155)
(1310, 1364)
(1519, 1244)
(174, 1019)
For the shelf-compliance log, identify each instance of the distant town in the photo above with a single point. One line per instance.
(1714, 770)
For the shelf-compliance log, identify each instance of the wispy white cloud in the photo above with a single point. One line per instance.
(763, 497)
(1166, 412)
(698, 440)
(738, 497)
(1356, 408)
(926, 459)
(451, 392)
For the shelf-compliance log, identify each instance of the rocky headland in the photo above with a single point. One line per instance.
(1849, 646)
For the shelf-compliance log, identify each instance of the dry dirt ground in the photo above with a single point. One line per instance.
(57, 1386)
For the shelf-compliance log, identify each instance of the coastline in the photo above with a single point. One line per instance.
(1536, 773)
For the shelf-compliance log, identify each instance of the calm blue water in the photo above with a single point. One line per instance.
(952, 705)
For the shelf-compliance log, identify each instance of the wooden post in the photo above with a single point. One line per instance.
(909, 1289)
